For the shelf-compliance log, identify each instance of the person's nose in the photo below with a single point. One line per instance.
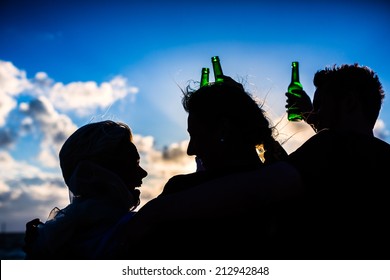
(191, 149)
(143, 173)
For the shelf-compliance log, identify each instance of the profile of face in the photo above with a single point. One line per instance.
(128, 167)
(224, 123)
(205, 142)
(326, 109)
(108, 144)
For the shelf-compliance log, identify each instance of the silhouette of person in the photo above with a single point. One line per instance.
(100, 166)
(227, 129)
(343, 167)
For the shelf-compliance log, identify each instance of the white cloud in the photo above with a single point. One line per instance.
(7, 104)
(12, 82)
(27, 192)
(44, 99)
(380, 130)
(52, 127)
(85, 97)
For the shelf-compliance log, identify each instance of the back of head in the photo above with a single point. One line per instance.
(100, 142)
(360, 81)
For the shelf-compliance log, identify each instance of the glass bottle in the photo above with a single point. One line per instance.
(294, 113)
(204, 79)
(218, 74)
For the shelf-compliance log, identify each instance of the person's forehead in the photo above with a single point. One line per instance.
(193, 119)
(133, 150)
(198, 122)
(317, 98)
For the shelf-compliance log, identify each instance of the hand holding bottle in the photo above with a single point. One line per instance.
(300, 100)
(298, 105)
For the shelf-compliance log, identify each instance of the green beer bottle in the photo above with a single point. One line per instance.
(218, 74)
(294, 113)
(204, 79)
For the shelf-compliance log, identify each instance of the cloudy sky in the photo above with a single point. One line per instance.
(64, 64)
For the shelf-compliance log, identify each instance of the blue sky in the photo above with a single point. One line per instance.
(66, 63)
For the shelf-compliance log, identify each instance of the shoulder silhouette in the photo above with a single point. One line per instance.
(343, 167)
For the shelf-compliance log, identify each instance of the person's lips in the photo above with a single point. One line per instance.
(136, 185)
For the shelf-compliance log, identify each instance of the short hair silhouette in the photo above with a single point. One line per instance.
(361, 81)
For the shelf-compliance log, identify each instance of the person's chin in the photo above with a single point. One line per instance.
(136, 193)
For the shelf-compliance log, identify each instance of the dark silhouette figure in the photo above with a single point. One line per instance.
(343, 168)
(200, 215)
(100, 166)
(228, 131)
